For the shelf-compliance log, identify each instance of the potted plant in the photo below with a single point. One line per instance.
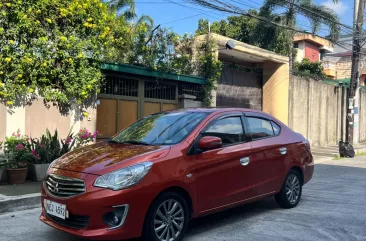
(18, 157)
(49, 147)
(17, 172)
(44, 150)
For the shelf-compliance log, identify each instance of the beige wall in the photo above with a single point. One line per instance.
(15, 119)
(276, 90)
(38, 117)
(300, 53)
(34, 119)
(2, 122)
(362, 115)
(315, 111)
(343, 68)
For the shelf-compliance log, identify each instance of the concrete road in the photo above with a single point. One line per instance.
(333, 207)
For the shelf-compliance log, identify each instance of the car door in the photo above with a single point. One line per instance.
(268, 153)
(221, 174)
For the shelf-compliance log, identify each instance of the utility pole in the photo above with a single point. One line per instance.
(356, 52)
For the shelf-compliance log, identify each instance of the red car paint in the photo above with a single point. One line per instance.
(214, 180)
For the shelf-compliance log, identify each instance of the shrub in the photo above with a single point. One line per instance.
(309, 69)
(16, 148)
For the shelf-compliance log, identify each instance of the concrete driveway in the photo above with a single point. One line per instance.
(332, 208)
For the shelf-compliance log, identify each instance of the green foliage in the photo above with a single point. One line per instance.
(250, 30)
(17, 164)
(47, 47)
(317, 15)
(162, 50)
(13, 141)
(45, 149)
(16, 148)
(309, 69)
(127, 8)
(208, 67)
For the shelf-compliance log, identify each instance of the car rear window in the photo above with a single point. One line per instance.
(260, 128)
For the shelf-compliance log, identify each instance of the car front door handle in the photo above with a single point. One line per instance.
(244, 161)
(283, 150)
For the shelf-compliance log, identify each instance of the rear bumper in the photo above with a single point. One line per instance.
(309, 170)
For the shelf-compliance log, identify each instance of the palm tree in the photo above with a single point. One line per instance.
(318, 15)
(126, 8)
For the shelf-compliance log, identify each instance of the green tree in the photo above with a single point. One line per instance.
(250, 30)
(318, 15)
(127, 8)
(53, 47)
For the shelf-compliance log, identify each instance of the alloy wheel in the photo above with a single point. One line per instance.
(293, 188)
(169, 220)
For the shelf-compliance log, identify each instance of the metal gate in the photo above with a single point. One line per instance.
(125, 99)
(238, 88)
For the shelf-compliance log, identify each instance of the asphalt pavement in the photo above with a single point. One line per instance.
(332, 208)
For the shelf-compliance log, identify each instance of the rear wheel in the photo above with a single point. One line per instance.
(291, 191)
(167, 218)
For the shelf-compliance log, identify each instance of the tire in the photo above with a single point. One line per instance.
(291, 190)
(164, 221)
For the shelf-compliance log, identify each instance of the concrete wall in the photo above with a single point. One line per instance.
(189, 101)
(276, 90)
(34, 119)
(38, 117)
(362, 114)
(2, 122)
(315, 111)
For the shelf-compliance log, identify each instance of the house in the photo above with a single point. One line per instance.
(312, 47)
(340, 61)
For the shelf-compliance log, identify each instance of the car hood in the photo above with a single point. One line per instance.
(104, 157)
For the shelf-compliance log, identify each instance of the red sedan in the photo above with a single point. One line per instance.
(153, 177)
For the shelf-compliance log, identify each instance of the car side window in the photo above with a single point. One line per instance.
(260, 128)
(229, 129)
(276, 128)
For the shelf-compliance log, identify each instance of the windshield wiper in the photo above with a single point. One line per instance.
(136, 143)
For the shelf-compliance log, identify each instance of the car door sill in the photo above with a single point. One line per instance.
(238, 203)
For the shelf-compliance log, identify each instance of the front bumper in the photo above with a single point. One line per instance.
(94, 203)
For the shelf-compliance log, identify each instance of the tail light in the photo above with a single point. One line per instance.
(307, 144)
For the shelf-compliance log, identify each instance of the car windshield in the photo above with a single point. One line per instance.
(161, 129)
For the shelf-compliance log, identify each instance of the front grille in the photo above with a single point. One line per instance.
(73, 221)
(64, 187)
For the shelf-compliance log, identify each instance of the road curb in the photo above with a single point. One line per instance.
(326, 158)
(19, 203)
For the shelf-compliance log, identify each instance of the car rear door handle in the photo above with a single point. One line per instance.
(244, 161)
(283, 150)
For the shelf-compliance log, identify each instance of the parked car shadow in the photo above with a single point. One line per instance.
(320, 203)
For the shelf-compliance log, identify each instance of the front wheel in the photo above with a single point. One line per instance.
(167, 218)
(291, 190)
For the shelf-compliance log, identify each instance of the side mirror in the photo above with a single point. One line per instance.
(209, 143)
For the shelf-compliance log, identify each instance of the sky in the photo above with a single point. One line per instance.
(182, 17)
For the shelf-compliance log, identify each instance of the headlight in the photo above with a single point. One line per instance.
(123, 178)
(51, 165)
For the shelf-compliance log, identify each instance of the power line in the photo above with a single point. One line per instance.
(181, 19)
(256, 17)
(319, 15)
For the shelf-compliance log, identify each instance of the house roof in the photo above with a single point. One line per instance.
(138, 70)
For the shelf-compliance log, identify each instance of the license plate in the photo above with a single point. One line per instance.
(55, 209)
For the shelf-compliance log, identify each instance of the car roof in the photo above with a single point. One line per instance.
(216, 110)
